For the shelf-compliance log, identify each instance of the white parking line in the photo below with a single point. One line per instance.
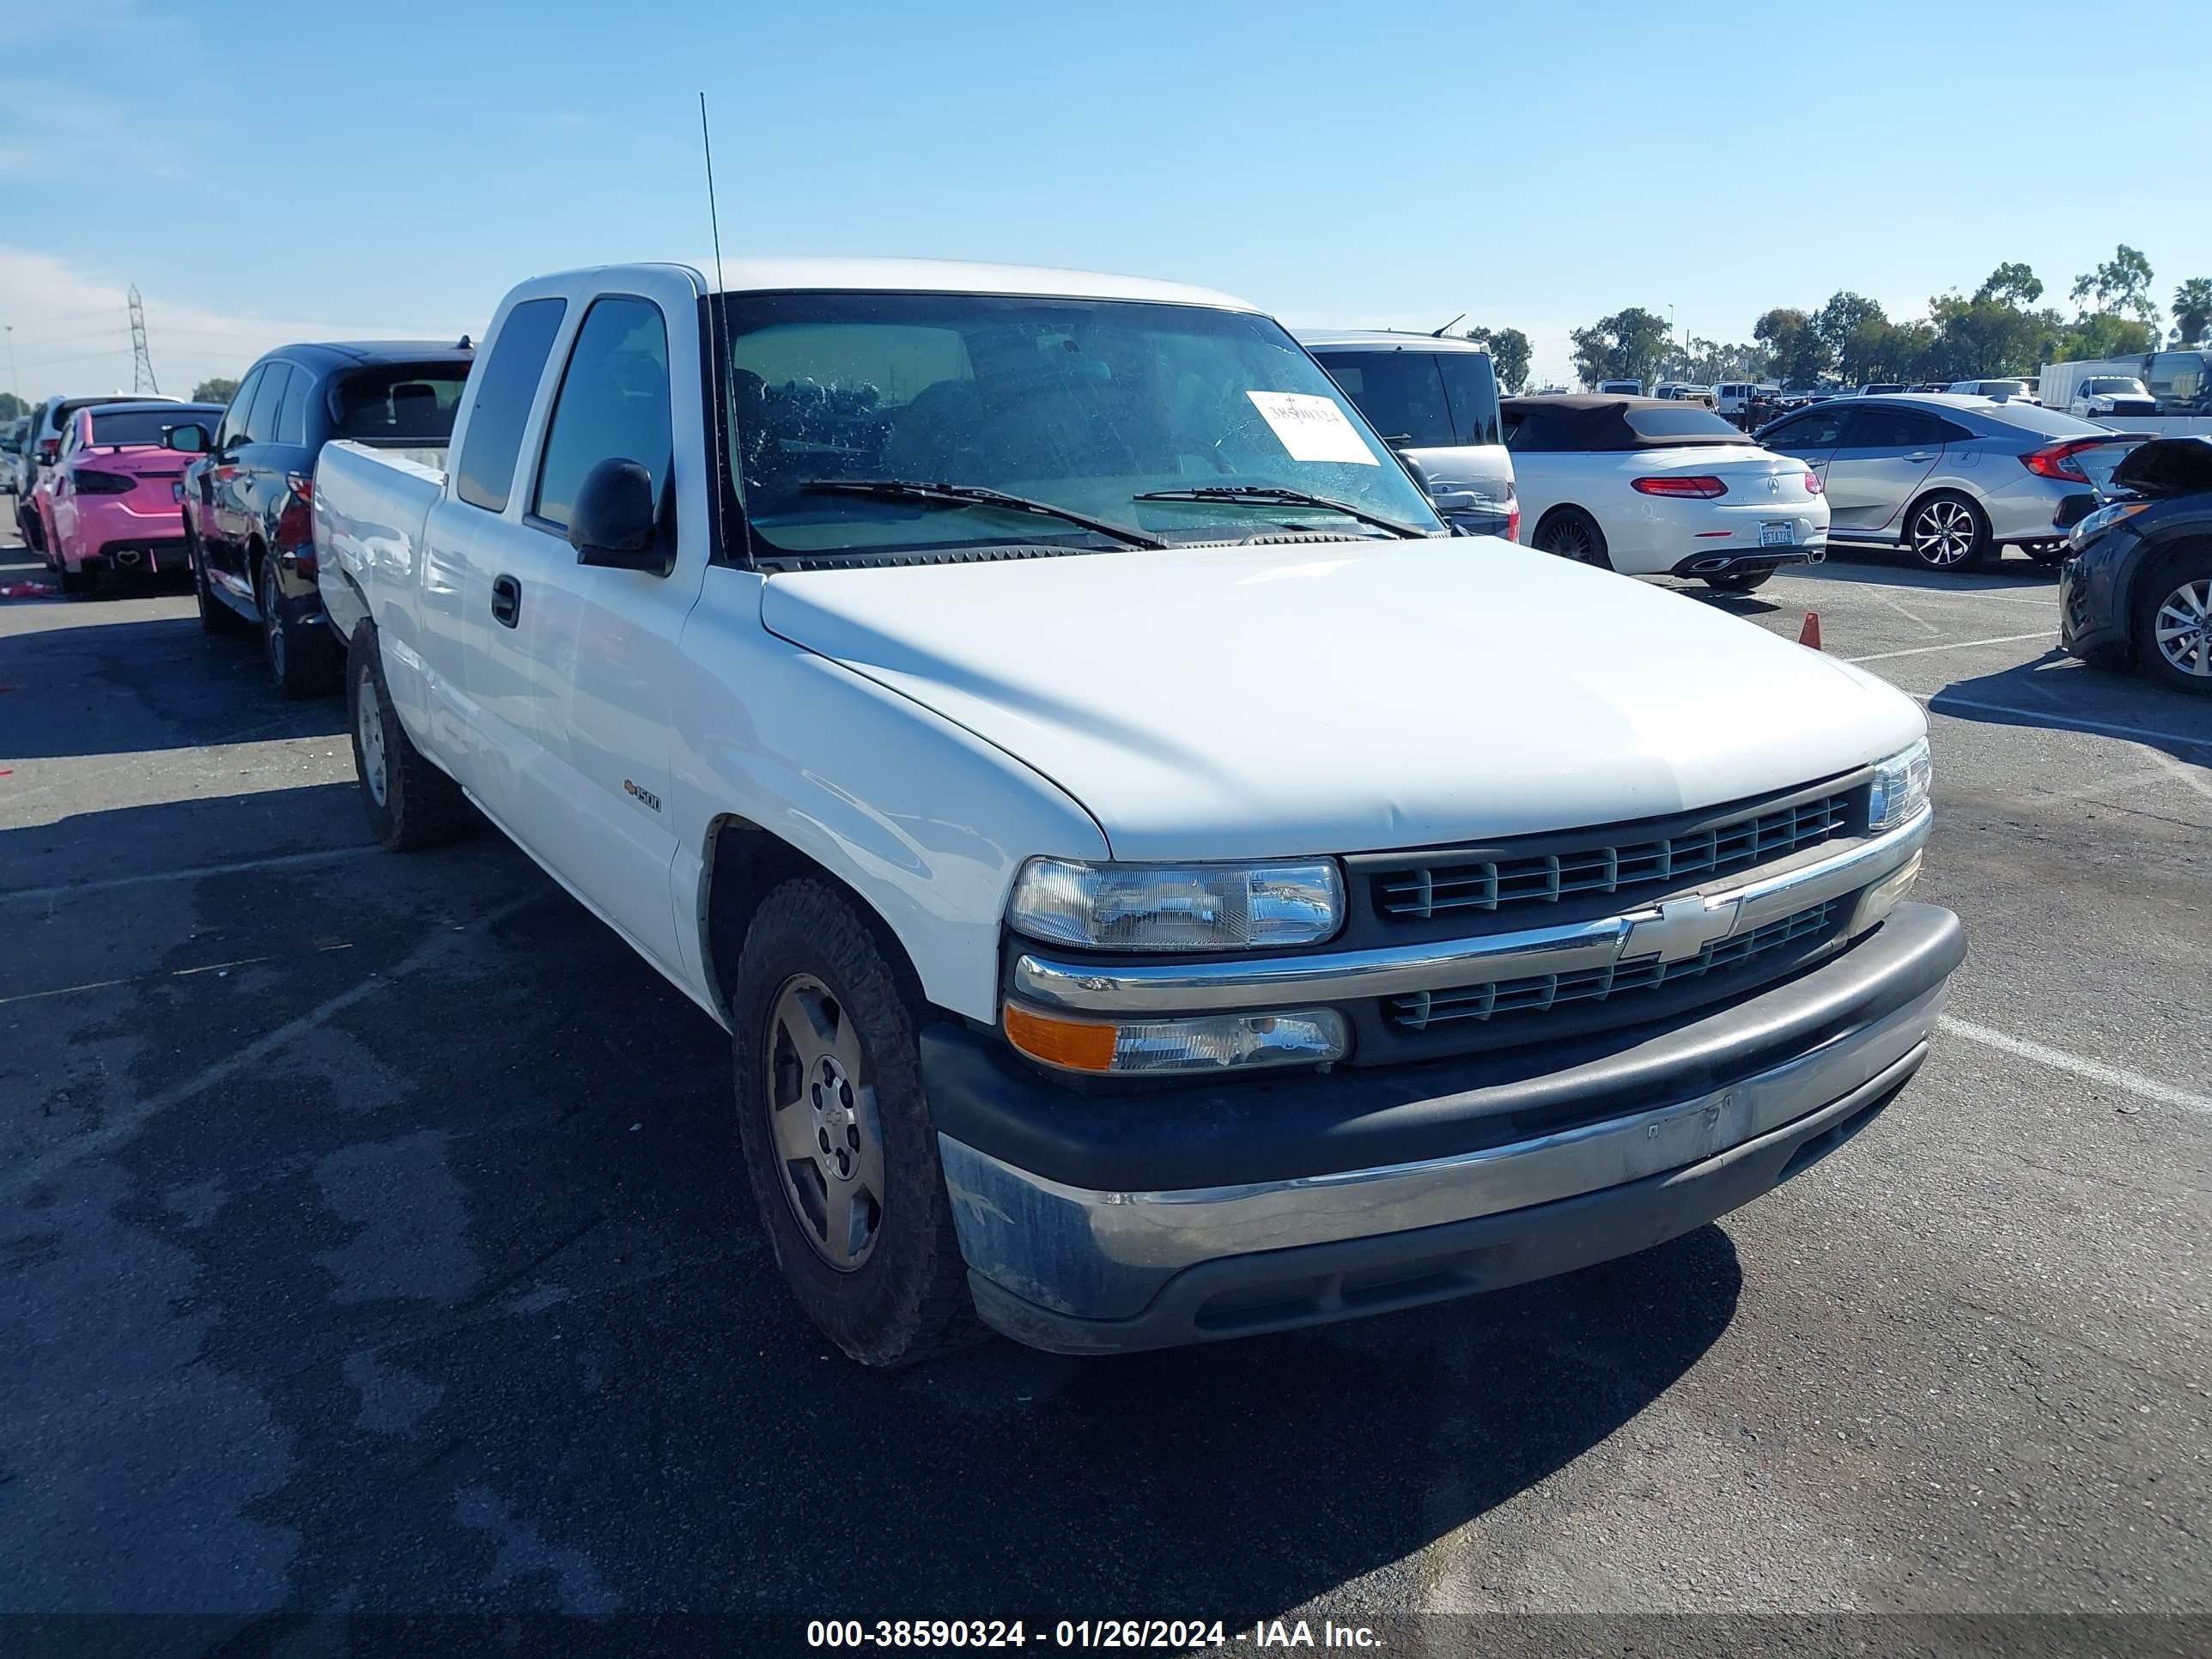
(131, 1116)
(2045, 717)
(2096, 1071)
(71, 889)
(1954, 645)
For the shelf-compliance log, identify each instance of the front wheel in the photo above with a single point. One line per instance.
(409, 802)
(1948, 532)
(836, 1131)
(216, 616)
(2173, 624)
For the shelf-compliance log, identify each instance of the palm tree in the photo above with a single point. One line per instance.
(2192, 311)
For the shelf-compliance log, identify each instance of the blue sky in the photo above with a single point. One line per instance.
(264, 172)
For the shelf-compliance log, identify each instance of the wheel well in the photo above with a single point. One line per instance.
(745, 863)
(1552, 514)
(2160, 566)
(255, 553)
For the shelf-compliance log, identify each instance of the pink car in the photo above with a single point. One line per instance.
(110, 502)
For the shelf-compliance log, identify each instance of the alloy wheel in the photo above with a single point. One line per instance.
(272, 626)
(368, 721)
(2183, 629)
(823, 1124)
(1570, 539)
(1943, 534)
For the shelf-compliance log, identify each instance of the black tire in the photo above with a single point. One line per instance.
(1946, 530)
(2184, 578)
(1739, 581)
(302, 657)
(216, 616)
(2047, 553)
(1571, 533)
(907, 1298)
(26, 521)
(418, 805)
(81, 584)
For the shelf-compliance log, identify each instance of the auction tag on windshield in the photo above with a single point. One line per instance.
(1313, 428)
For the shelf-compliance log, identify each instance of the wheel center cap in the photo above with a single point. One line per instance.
(837, 1122)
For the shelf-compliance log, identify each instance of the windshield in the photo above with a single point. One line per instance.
(146, 426)
(1073, 403)
(2049, 422)
(2107, 383)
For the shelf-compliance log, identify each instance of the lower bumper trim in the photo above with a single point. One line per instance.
(1320, 1284)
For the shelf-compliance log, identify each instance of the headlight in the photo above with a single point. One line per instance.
(1183, 907)
(1900, 788)
(2096, 524)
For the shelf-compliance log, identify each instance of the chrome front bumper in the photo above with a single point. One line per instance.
(1080, 1268)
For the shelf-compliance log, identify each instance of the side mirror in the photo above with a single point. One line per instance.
(614, 522)
(190, 439)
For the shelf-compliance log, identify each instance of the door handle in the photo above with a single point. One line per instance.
(506, 601)
(1922, 455)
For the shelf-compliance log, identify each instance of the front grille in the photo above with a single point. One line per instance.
(1538, 993)
(1426, 891)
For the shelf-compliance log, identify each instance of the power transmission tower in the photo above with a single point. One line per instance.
(141, 360)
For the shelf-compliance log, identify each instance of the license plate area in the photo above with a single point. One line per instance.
(1777, 534)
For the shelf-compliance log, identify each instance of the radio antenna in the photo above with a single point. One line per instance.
(719, 428)
(714, 218)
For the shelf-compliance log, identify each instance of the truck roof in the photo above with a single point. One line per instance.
(951, 277)
(1393, 339)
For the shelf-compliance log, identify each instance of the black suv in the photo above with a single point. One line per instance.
(248, 502)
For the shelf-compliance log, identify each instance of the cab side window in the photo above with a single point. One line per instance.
(612, 404)
(506, 386)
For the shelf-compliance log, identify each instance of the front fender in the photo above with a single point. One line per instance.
(921, 817)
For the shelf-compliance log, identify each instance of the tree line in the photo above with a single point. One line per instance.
(1996, 331)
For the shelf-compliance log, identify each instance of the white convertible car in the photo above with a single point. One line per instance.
(1653, 487)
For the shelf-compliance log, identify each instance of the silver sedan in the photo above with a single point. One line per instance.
(1953, 479)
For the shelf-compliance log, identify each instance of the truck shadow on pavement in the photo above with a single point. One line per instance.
(2055, 692)
(126, 683)
(474, 1265)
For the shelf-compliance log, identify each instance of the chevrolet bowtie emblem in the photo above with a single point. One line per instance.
(1680, 930)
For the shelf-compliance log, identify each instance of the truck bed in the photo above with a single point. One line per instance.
(370, 506)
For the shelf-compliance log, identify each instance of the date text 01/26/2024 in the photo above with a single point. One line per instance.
(1172, 1635)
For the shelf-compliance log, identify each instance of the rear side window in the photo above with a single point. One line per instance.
(261, 418)
(613, 403)
(505, 390)
(1471, 387)
(1399, 393)
(292, 413)
(401, 403)
(1895, 428)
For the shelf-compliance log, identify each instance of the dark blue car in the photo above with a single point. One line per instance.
(2138, 587)
(248, 502)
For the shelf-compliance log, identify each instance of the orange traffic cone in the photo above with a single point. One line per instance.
(1810, 633)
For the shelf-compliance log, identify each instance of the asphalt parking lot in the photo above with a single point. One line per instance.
(372, 1240)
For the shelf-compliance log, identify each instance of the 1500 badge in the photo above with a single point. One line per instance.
(645, 795)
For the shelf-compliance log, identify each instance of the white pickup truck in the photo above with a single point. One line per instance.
(1160, 885)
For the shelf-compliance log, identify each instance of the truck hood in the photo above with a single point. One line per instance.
(1207, 702)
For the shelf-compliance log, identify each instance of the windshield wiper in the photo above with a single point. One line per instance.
(953, 494)
(1275, 495)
